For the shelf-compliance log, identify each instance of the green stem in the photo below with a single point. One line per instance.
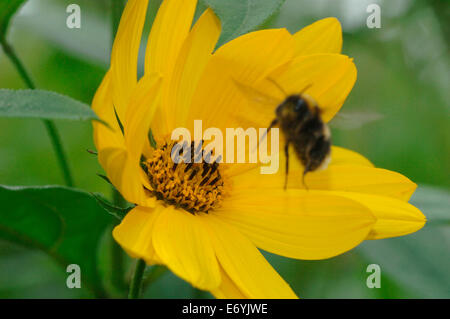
(11, 54)
(136, 282)
(59, 150)
(156, 272)
(49, 125)
(117, 253)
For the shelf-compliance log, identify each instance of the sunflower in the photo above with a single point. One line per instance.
(205, 222)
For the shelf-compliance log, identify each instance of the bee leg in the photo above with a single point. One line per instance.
(286, 152)
(274, 122)
(304, 174)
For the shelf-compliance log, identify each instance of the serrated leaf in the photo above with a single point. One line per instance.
(241, 16)
(7, 10)
(63, 222)
(44, 105)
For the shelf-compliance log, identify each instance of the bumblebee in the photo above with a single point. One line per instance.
(299, 118)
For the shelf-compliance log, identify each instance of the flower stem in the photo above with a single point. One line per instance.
(136, 282)
(49, 125)
(156, 272)
(117, 253)
(59, 150)
(11, 54)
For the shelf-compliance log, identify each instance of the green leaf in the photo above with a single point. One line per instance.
(434, 203)
(419, 262)
(7, 10)
(65, 223)
(241, 16)
(44, 105)
(340, 277)
(38, 276)
(113, 265)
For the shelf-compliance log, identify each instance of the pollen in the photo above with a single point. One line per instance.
(195, 187)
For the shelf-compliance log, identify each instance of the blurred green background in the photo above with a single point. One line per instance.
(403, 75)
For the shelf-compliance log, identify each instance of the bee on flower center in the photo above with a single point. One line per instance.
(195, 187)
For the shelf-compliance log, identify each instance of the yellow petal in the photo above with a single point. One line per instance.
(124, 56)
(112, 153)
(139, 115)
(228, 289)
(339, 176)
(122, 169)
(296, 223)
(343, 156)
(189, 66)
(323, 36)
(134, 234)
(244, 264)
(360, 179)
(169, 30)
(394, 217)
(111, 135)
(124, 175)
(183, 244)
(340, 156)
(247, 59)
(328, 78)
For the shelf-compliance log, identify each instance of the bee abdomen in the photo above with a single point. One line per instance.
(319, 153)
(312, 143)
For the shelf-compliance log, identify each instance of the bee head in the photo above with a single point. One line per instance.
(293, 107)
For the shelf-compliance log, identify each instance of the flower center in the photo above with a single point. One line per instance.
(196, 187)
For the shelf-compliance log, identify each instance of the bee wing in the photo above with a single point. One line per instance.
(255, 95)
(352, 120)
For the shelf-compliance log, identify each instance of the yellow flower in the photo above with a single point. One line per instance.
(206, 222)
